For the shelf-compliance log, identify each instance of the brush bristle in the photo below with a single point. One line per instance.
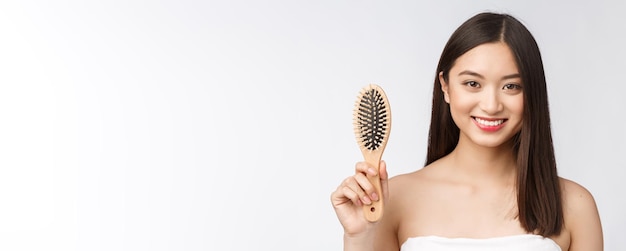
(371, 118)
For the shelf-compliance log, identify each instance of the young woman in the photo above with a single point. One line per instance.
(490, 180)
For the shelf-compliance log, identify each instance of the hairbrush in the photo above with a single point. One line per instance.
(372, 124)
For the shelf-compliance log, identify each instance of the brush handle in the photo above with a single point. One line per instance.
(374, 211)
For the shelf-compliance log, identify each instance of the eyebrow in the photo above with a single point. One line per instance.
(475, 74)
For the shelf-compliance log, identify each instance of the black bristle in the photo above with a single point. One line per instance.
(372, 119)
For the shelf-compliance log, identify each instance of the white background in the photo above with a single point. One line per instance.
(225, 125)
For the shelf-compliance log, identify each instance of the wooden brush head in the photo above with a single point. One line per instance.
(372, 119)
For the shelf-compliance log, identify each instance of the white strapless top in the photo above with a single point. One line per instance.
(525, 242)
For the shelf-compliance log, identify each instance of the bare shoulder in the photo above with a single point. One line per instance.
(406, 189)
(576, 198)
(409, 182)
(582, 220)
(407, 192)
(413, 185)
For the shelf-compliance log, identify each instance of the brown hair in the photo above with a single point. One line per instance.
(538, 191)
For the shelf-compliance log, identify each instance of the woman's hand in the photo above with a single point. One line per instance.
(355, 192)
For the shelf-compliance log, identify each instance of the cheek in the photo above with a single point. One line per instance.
(517, 106)
(460, 107)
(461, 102)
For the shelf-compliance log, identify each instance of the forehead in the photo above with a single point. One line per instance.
(490, 59)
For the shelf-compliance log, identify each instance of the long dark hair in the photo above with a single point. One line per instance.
(538, 190)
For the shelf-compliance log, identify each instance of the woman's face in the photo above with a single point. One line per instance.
(485, 94)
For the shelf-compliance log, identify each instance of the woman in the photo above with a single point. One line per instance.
(490, 180)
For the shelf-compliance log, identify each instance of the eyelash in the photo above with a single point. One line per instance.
(474, 84)
(514, 87)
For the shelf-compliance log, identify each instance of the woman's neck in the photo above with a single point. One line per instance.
(478, 163)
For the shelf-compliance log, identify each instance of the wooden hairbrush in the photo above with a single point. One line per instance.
(372, 124)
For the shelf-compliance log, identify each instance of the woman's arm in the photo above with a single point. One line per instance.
(581, 218)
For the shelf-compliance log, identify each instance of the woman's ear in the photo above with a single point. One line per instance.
(444, 87)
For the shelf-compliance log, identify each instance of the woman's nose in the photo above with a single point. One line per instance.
(490, 102)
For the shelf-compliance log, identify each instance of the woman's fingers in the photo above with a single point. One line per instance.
(363, 167)
(360, 186)
(368, 171)
(351, 195)
(358, 189)
(366, 189)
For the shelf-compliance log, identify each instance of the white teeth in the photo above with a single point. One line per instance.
(489, 122)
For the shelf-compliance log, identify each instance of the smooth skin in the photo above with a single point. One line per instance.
(470, 192)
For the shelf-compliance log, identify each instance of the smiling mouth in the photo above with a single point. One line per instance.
(489, 122)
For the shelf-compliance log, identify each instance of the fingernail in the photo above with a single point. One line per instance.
(366, 200)
(374, 196)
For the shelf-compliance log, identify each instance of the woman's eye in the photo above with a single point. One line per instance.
(472, 84)
(512, 87)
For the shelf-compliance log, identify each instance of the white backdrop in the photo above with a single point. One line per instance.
(225, 125)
